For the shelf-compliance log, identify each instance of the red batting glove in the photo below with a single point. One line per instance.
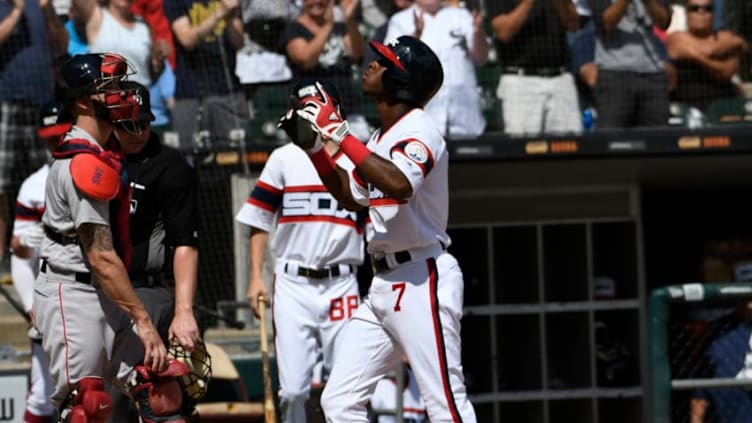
(324, 117)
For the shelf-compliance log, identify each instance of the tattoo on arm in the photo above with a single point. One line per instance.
(95, 237)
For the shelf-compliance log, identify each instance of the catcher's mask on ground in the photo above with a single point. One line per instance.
(196, 382)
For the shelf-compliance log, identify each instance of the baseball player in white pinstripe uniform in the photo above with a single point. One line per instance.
(318, 247)
(27, 237)
(414, 305)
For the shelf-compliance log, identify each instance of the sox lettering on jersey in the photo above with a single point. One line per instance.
(314, 204)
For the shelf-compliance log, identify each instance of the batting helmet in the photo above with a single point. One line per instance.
(413, 72)
(294, 126)
(53, 123)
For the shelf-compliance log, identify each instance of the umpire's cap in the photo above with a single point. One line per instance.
(294, 126)
(413, 73)
(144, 101)
(53, 123)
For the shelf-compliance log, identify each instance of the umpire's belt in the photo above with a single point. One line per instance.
(83, 277)
(292, 268)
(382, 262)
(543, 72)
(145, 280)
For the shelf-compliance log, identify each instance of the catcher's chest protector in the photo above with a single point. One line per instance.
(102, 175)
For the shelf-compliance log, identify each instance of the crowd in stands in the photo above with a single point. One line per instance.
(624, 60)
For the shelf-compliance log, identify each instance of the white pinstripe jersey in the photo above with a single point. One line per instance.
(312, 228)
(416, 147)
(30, 200)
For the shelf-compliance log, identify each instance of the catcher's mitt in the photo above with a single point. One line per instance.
(196, 382)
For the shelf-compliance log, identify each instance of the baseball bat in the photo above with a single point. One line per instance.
(233, 323)
(269, 412)
(15, 304)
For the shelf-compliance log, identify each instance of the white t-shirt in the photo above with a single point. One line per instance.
(417, 148)
(456, 107)
(30, 200)
(132, 43)
(312, 228)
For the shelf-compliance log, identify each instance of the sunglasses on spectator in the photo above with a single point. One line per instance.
(697, 7)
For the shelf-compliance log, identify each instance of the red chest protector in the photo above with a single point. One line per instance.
(102, 175)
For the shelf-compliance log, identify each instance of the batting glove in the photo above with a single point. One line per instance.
(32, 237)
(324, 117)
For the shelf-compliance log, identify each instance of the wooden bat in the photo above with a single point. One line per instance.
(270, 415)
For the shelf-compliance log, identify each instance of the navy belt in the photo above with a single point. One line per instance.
(83, 277)
(544, 72)
(326, 272)
(381, 265)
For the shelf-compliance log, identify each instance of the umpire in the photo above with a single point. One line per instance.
(163, 231)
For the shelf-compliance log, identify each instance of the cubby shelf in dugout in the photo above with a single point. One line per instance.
(603, 202)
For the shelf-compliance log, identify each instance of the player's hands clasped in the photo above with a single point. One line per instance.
(256, 290)
(32, 236)
(155, 353)
(324, 117)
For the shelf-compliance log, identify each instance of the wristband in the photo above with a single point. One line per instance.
(355, 150)
(323, 162)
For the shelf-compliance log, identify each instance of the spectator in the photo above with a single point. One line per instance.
(114, 28)
(152, 11)
(76, 28)
(31, 36)
(738, 18)
(632, 86)
(207, 98)
(456, 36)
(537, 92)
(705, 60)
(319, 46)
(379, 33)
(262, 59)
(161, 91)
(729, 343)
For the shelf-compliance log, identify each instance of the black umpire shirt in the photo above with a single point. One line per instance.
(163, 209)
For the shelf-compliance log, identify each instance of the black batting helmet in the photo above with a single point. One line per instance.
(413, 73)
(53, 123)
(294, 126)
(86, 74)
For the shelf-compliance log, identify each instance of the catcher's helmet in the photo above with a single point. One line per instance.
(86, 74)
(294, 126)
(413, 73)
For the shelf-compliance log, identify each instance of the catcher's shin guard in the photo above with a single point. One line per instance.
(88, 403)
(158, 395)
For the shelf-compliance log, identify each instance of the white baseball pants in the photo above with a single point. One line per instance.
(413, 309)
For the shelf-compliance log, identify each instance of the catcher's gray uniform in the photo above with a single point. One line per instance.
(84, 332)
